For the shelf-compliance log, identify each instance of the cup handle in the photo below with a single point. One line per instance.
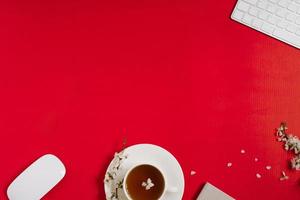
(172, 189)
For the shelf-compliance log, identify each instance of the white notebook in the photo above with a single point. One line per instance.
(210, 192)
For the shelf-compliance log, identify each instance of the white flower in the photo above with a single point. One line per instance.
(148, 184)
(295, 162)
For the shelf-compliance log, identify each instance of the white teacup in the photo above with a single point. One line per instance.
(167, 187)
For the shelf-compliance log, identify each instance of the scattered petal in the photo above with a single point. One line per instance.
(258, 175)
(193, 173)
(283, 176)
(268, 167)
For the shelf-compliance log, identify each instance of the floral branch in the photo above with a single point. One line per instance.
(291, 143)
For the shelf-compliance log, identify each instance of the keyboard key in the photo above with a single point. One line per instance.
(271, 8)
(291, 28)
(273, 20)
(257, 23)
(298, 21)
(293, 7)
(282, 24)
(243, 6)
(283, 3)
(262, 4)
(281, 13)
(286, 36)
(253, 11)
(238, 15)
(267, 28)
(291, 17)
(253, 2)
(247, 19)
(263, 15)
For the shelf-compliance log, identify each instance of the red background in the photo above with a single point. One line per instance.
(76, 77)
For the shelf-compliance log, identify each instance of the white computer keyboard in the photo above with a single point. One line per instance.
(277, 18)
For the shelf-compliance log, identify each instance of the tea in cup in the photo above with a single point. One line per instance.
(145, 182)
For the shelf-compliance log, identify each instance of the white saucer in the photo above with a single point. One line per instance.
(147, 153)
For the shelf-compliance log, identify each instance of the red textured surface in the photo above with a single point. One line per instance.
(78, 76)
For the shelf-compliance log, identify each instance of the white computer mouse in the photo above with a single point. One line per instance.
(38, 179)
